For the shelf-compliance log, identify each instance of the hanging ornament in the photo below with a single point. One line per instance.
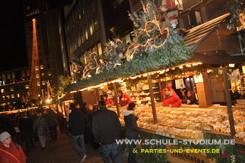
(235, 75)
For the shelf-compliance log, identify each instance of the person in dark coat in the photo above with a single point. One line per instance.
(76, 124)
(40, 128)
(132, 130)
(26, 128)
(52, 123)
(90, 114)
(106, 129)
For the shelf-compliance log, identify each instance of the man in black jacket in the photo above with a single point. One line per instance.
(106, 129)
(76, 124)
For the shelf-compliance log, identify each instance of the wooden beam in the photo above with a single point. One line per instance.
(228, 100)
(153, 105)
(116, 99)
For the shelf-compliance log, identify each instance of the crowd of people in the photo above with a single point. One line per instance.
(26, 126)
(93, 124)
(102, 128)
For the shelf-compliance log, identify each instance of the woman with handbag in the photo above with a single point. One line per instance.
(132, 130)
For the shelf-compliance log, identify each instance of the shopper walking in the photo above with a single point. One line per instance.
(52, 123)
(26, 128)
(76, 124)
(132, 130)
(40, 128)
(106, 129)
(10, 152)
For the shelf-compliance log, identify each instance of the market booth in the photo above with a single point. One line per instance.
(212, 116)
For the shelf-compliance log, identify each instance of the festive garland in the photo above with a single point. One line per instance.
(236, 7)
(166, 57)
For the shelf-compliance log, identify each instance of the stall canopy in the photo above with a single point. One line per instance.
(199, 33)
(217, 57)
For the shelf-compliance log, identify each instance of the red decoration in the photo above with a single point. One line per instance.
(241, 151)
(152, 41)
(224, 155)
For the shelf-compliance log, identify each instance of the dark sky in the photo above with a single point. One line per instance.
(12, 36)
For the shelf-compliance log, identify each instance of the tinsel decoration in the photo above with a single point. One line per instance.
(237, 10)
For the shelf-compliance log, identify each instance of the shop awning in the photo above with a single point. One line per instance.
(199, 33)
(217, 57)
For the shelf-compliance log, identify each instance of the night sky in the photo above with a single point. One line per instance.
(12, 36)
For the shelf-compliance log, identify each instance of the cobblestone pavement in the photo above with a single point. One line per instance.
(61, 151)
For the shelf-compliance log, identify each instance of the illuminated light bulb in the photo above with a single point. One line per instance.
(89, 76)
(173, 68)
(181, 67)
(231, 65)
(188, 65)
(167, 70)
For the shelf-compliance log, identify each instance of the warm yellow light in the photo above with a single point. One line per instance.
(231, 65)
(48, 100)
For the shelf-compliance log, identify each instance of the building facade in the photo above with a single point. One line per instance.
(47, 16)
(88, 25)
(14, 85)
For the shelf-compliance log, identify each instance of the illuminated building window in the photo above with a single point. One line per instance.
(11, 89)
(2, 90)
(91, 29)
(41, 67)
(3, 97)
(86, 34)
(8, 97)
(49, 74)
(36, 68)
(37, 76)
(38, 83)
(99, 49)
(12, 96)
(27, 86)
(18, 95)
(42, 74)
(43, 82)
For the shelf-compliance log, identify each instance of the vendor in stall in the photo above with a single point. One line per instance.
(124, 99)
(107, 101)
(171, 99)
(189, 97)
(169, 85)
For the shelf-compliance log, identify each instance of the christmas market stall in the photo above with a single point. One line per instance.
(162, 58)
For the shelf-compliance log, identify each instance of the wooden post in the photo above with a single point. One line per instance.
(153, 105)
(228, 100)
(116, 99)
(96, 94)
(204, 92)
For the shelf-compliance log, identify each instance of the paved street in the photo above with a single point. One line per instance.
(61, 151)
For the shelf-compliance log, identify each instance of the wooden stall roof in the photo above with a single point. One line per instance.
(67, 96)
(217, 57)
(198, 34)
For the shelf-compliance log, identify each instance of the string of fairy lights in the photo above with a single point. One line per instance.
(162, 71)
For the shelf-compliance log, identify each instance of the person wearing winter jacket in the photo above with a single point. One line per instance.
(10, 152)
(52, 123)
(106, 129)
(76, 124)
(124, 99)
(132, 130)
(170, 98)
(40, 128)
